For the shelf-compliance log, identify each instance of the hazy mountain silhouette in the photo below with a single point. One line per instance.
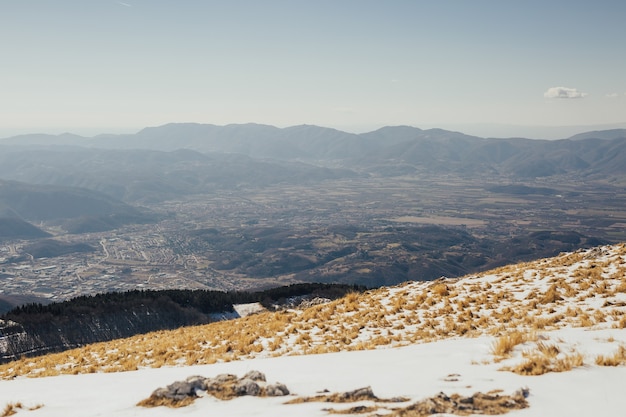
(146, 175)
(609, 134)
(75, 209)
(43, 139)
(151, 164)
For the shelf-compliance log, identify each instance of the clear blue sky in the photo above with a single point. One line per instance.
(93, 66)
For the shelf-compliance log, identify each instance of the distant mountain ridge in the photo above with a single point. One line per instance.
(608, 134)
(590, 153)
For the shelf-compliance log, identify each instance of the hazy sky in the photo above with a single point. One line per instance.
(105, 66)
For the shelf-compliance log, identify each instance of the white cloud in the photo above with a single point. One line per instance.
(563, 92)
(612, 95)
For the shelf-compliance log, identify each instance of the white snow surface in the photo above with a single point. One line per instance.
(244, 310)
(463, 366)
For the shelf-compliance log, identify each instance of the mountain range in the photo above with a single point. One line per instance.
(180, 159)
(592, 154)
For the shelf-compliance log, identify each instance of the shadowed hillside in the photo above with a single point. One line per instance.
(14, 228)
(37, 329)
(75, 209)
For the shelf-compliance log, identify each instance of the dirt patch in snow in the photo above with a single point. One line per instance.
(491, 403)
(361, 394)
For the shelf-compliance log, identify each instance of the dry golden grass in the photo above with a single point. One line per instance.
(11, 409)
(551, 296)
(621, 287)
(540, 364)
(152, 402)
(533, 365)
(359, 409)
(550, 351)
(617, 359)
(546, 358)
(361, 394)
(440, 289)
(511, 303)
(504, 345)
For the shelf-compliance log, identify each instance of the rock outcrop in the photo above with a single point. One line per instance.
(223, 386)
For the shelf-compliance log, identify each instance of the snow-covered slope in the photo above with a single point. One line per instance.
(555, 326)
(453, 366)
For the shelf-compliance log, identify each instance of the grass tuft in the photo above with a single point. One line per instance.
(11, 409)
(617, 359)
(543, 360)
(504, 345)
(152, 402)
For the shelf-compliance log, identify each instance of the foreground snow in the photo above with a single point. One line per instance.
(462, 366)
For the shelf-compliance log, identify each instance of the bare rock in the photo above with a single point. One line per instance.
(179, 390)
(255, 376)
(247, 387)
(160, 393)
(198, 382)
(276, 390)
(365, 393)
(224, 378)
(220, 381)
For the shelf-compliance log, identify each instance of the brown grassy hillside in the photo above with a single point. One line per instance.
(586, 288)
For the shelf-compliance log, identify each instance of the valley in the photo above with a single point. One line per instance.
(368, 230)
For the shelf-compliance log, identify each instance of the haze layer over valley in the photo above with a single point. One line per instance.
(254, 206)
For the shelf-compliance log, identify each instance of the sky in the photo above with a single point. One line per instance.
(107, 66)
